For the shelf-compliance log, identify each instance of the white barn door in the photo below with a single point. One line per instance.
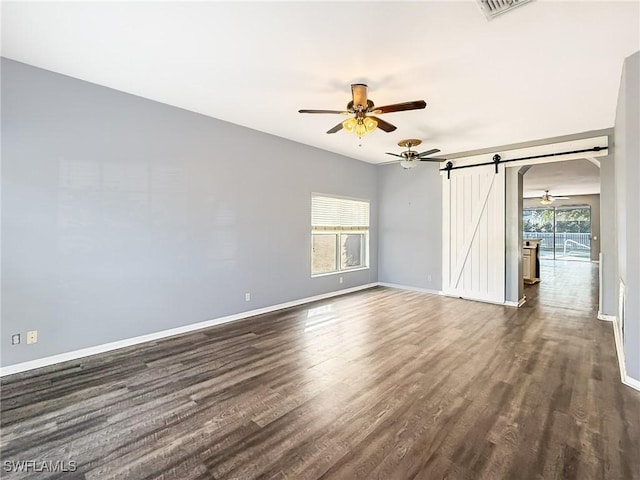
(474, 233)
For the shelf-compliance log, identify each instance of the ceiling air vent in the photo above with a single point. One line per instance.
(493, 8)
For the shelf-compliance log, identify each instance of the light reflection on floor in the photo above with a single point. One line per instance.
(571, 285)
(320, 317)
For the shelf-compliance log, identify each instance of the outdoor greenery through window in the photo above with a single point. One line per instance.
(565, 232)
(339, 234)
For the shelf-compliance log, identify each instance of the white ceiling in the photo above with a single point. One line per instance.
(545, 69)
(574, 177)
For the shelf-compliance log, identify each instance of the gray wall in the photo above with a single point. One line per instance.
(514, 283)
(592, 200)
(122, 216)
(410, 226)
(608, 242)
(627, 179)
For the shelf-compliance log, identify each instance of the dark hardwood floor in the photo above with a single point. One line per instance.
(383, 384)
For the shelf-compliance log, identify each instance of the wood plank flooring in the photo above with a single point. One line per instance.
(380, 384)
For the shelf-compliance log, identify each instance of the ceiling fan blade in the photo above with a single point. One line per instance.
(382, 125)
(432, 159)
(323, 111)
(335, 129)
(428, 152)
(359, 94)
(399, 107)
(561, 198)
(394, 154)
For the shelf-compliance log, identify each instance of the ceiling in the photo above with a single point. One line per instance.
(544, 69)
(574, 177)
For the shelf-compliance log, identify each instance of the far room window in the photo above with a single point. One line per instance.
(339, 234)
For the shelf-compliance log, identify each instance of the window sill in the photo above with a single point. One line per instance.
(339, 272)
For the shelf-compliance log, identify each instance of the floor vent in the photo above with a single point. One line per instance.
(493, 8)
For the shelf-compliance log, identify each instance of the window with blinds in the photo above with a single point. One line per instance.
(339, 234)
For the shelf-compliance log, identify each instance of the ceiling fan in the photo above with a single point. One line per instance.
(361, 107)
(410, 158)
(546, 199)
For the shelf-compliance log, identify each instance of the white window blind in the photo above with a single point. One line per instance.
(339, 213)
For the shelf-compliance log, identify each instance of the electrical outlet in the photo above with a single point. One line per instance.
(32, 337)
(341, 280)
(247, 297)
(15, 339)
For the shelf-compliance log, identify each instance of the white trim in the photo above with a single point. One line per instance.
(127, 342)
(600, 281)
(606, 318)
(624, 378)
(593, 160)
(480, 299)
(107, 347)
(411, 289)
(546, 149)
(632, 382)
(339, 272)
(617, 335)
(518, 304)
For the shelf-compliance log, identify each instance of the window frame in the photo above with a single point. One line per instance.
(338, 231)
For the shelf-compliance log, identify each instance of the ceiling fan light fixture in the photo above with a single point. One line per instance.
(546, 199)
(350, 125)
(407, 164)
(359, 126)
(411, 158)
(370, 124)
(361, 106)
(361, 129)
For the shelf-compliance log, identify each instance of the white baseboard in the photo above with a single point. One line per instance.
(517, 304)
(127, 342)
(624, 378)
(411, 289)
(107, 347)
(463, 296)
(632, 382)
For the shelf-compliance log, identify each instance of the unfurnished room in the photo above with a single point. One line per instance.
(320, 240)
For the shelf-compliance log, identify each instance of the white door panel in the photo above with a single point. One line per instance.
(474, 233)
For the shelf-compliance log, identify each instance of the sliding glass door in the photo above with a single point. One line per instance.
(538, 224)
(573, 233)
(565, 232)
